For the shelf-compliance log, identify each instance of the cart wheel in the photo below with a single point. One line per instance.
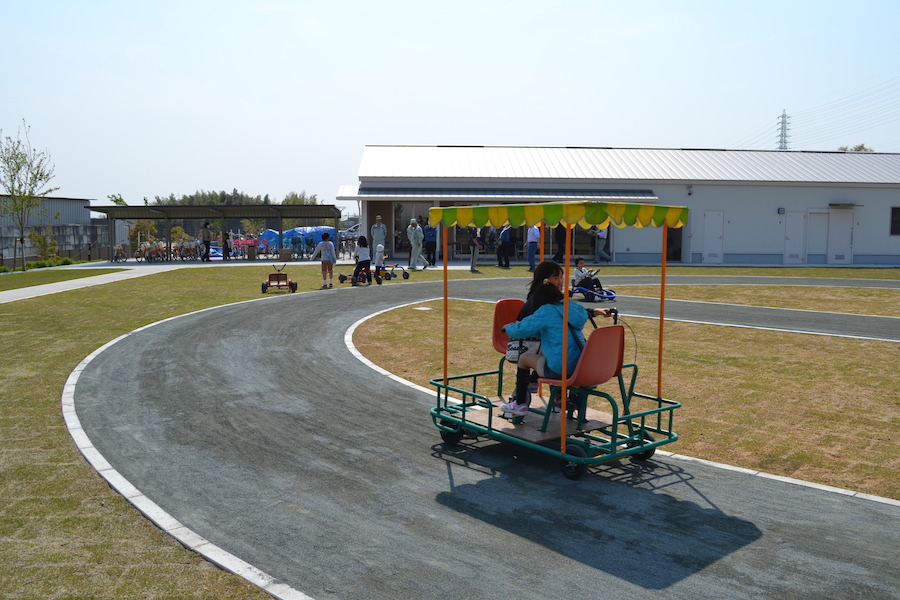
(378, 280)
(265, 287)
(451, 438)
(574, 470)
(342, 278)
(405, 275)
(293, 286)
(646, 454)
(387, 276)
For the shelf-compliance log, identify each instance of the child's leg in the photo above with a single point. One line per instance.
(324, 273)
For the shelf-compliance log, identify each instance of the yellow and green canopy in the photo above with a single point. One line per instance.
(584, 214)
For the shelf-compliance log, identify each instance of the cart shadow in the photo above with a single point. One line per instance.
(633, 531)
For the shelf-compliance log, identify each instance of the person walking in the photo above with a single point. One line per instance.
(600, 236)
(325, 248)
(474, 247)
(206, 238)
(415, 235)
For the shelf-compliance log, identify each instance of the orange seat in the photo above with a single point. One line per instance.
(600, 361)
(506, 311)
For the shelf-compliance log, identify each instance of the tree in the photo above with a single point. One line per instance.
(117, 199)
(857, 148)
(24, 177)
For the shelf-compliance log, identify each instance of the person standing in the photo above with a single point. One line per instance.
(534, 237)
(559, 238)
(600, 245)
(430, 232)
(325, 248)
(226, 245)
(415, 235)
(379, 232)
(474, 247)
(206, 238)
(503, 247)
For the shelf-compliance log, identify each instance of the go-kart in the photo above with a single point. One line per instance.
(619, 422)
(279, 279)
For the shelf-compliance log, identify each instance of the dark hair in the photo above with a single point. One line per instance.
(326, 236)
(362, 242)
(576, 259)
(541, 291)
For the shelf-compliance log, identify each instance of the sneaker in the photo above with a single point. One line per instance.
(514, 408)
(330, 285)
(324, 287)
(476, 271)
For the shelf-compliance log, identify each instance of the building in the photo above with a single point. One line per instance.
(77, 235)
(747, 207)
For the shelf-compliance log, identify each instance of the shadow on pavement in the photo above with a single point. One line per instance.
(616, 519)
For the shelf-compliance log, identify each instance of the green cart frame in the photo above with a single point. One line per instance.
(633, 423)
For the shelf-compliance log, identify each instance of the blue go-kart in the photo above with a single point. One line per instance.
(591, 290)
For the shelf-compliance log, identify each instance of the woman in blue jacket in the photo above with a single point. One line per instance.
(545, 321)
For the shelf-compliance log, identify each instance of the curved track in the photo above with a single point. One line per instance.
(330, 478)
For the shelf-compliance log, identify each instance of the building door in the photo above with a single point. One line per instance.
(840, 237)
(713, 236)
(795, 238)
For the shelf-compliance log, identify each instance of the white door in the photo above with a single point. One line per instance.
(795, 238)
(713, 236)
(840, 237)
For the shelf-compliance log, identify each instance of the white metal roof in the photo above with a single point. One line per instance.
(606, 165)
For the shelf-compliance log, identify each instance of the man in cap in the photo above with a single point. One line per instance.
(415, 235)
(379, 232)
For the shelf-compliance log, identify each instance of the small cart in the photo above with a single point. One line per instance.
(279, 279)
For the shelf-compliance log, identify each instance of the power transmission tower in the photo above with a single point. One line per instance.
(783, 136)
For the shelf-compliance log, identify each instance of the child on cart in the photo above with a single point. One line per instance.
(363, 260)
(584, 278)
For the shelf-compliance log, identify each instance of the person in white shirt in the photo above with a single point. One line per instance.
(534, 237)
(363, 260)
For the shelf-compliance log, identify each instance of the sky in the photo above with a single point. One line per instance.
(147, 99)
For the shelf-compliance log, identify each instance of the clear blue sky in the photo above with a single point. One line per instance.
(268, 97)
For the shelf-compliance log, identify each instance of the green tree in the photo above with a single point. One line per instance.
(856, 148)
(45, 243)
(301, 198)
(24, 177)
(117, 199)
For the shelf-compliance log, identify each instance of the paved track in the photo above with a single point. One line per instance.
(330, 477)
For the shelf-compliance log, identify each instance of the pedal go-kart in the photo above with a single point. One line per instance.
(365, 276)
(279, 279)
(622, 422)
(597, 293)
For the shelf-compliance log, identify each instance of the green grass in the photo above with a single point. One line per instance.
(65, 534)
(17, 280)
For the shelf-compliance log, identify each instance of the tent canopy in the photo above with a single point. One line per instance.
(584, 214)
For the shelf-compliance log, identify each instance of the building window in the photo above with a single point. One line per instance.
(895, 220)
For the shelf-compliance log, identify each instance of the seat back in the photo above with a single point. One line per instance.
(505, 312)
(601, 359)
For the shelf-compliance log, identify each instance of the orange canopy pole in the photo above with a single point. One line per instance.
(446, 307)
(662, 310)
(563, 391)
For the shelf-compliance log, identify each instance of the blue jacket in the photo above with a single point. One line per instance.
(546, 323)
(430, 233)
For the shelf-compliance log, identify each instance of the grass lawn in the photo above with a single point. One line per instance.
(65, 534)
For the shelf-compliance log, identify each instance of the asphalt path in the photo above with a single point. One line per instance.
(254, 432)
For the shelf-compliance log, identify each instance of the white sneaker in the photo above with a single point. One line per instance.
(513, 408)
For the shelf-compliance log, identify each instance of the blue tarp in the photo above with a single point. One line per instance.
(270, 236)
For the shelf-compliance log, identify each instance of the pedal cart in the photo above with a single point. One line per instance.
(279, 279)
(590, 294)
(631, 424)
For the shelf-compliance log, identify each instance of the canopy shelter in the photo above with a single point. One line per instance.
(570, 214)
(168, 212)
